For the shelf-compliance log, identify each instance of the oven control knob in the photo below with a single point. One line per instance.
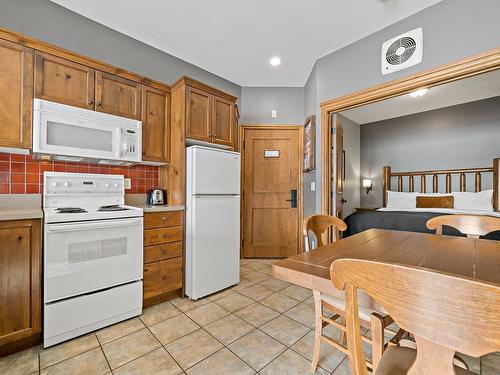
(116, 185)
(54, 184)
(106, 185)
(66, 184)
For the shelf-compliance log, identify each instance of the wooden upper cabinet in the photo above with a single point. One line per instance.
(20, 281)
(117, 96)
(198, 114)
(63, 81)
(16, 95)
(223, 121)
(155, 125)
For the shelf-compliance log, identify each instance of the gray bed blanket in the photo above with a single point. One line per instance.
(400, 220)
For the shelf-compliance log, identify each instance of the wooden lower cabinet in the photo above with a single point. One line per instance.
(20, 284)
(163, 256)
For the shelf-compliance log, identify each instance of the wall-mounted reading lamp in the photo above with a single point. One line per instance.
(367, 185)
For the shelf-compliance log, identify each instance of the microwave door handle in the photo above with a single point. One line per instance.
(85, 226)
(119, 136)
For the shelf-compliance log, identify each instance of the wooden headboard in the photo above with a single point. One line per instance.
(388, 175)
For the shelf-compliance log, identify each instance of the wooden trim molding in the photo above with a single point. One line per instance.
(75, 57)
(470, 66)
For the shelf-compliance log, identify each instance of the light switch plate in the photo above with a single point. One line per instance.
(127, 182)
(313, 185)
(274, 114)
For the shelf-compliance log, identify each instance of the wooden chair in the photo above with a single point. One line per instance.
(473, 226)
(319, 225)
(437, 308)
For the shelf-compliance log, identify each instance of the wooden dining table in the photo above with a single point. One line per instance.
(469, 258)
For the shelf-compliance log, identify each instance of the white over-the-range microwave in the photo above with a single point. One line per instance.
(66, 133)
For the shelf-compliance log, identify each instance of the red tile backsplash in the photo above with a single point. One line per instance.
(21, 174)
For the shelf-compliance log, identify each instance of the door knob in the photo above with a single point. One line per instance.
(343, 201)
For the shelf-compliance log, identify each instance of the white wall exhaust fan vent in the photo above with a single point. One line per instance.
(403, 51)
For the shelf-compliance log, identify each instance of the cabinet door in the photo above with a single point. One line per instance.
(64, 81)
(19, 280)
(162, 277)
(155, 125)
(198, 114)
(16, 95)
(117, 96)
(223, 121)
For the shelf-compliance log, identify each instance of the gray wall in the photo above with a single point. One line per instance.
(453, 29)
(54, 24)
(462, 136)
(352, 136)
(258, 102)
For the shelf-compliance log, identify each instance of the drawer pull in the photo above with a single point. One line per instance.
(164, 251)
(166, 235)
(164, 218)
(163, 277)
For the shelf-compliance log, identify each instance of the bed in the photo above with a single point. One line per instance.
(414, 219)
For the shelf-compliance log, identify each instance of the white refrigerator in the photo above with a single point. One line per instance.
(212, 220)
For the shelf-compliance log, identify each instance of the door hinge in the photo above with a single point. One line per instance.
(332, 130)
(242, 243)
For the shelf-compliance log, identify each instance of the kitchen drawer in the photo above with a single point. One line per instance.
(162, 277)
(162, 235)
(162, 219)
(162, 252)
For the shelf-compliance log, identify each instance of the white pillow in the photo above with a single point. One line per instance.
(401, 200)
(482, 201)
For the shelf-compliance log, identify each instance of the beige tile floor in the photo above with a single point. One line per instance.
(263, 325)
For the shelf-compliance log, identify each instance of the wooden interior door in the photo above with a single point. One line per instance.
(222, 124)
(272, 170)
(155, 125)
(117, 96)
(63, 81)
(16, 94)
(198, 114)
(338, 168)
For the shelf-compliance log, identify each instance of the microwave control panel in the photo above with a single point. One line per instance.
(130, 146)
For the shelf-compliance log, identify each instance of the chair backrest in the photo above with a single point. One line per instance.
(445, 313)
(472, 225)
(319, 224)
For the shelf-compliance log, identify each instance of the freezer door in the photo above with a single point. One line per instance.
(212, 244)
(214, 171)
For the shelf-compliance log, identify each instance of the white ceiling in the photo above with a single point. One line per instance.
(482, 86)
(236, 38)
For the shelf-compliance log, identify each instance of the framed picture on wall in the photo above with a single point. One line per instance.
(309, 143)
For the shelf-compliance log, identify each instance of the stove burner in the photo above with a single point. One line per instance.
(113, 207)
(70, 210)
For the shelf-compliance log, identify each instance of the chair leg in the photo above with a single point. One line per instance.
(343, 337)
(318, 331)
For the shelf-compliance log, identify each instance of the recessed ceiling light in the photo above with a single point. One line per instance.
(275, 61)
(419, 93)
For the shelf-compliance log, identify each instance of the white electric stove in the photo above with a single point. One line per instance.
(93, 254)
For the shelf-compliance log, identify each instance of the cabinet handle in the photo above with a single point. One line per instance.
(68, 76)
(91, 101)
(164, 251)
(98, 104)
(166, 236)
(164, 218)
(163, 277)
(20, 238)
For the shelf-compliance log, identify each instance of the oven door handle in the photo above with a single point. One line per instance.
(51, 228)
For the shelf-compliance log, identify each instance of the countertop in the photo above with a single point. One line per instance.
(139, 201)
(147, 208)
(20, 206)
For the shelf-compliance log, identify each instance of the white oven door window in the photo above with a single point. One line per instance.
(89, 256)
